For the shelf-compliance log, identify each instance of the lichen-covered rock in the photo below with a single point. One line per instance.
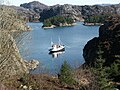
(11, 63)
(32, 64)
(10, 21)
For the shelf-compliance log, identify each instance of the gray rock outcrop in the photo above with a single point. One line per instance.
(62, 10)
(26, 14)
(74, 11)
(11, 63)
(35, 6)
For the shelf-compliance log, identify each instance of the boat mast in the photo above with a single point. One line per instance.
(59, 41)
(51, 42)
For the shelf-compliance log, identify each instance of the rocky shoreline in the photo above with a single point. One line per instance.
(93, 24)
(15, 61)
(32, 64)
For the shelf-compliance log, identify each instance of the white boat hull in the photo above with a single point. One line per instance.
(56, 47)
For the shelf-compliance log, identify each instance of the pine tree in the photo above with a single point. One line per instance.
(100, 70)
(66, 76)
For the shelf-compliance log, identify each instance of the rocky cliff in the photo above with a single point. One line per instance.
(62, 10)
(10, 20)
(26, 14)
(22, 13)
(74, 11)
(79, 12)
(109, 40)
(35, 6)
(11, 62)
(103, 53)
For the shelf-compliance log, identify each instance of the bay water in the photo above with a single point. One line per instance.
(35, 44)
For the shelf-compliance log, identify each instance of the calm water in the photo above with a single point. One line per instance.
(35, 45)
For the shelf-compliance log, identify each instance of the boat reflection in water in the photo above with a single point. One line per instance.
(56, 54)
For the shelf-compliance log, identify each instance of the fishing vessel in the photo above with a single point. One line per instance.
(56, 47)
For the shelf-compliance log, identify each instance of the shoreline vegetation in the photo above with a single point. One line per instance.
(58, 21)
(96, 20)
(62, 25)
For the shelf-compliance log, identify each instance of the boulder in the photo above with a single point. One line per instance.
(32, 64)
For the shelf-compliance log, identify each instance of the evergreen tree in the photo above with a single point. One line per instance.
(115, 70)
(57, 20)
(101, 71)
(97, 18)
(66, 76)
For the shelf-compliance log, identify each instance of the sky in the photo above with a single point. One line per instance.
(61, 2)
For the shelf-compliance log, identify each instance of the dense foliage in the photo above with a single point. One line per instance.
(66, 76)
(106, 74)
(96, 19)
(57, 21)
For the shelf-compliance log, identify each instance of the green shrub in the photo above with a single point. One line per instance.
(66, 76)
(57, 20)
(96, 18)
